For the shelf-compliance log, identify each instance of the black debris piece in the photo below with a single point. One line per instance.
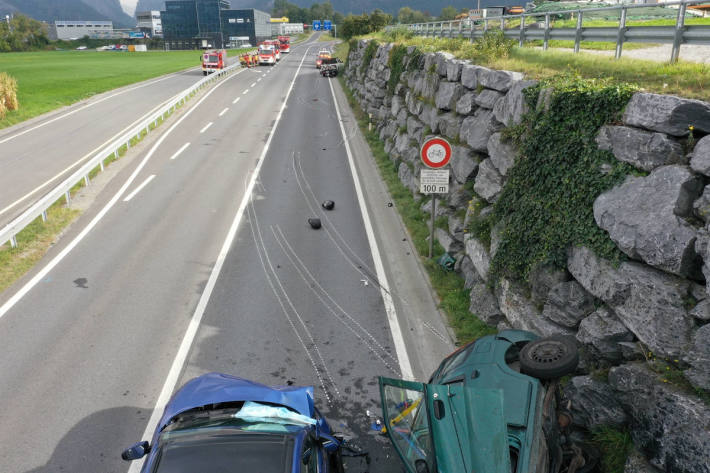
(328, 204)
(314, 223)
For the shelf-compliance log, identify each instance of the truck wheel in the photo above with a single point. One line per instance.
(204, 73)
(549, 357)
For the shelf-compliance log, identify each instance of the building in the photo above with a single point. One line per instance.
(149, 23)
(192, 24)
(75, 29)
(281, 29)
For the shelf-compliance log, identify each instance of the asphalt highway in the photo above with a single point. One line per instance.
(198, 257)
(37, 154)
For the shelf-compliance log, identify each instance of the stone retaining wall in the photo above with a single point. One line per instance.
(654, 305)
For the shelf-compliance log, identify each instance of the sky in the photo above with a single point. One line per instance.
(129, 6)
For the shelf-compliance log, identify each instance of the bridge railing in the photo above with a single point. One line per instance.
(532, 28)
(40, 207)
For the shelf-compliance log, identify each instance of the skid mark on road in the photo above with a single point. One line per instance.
(310, 281)
(272, 276)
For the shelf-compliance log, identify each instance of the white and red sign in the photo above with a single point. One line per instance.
(436, 153)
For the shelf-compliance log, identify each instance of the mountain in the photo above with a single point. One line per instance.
(50, 10)
(392, 6)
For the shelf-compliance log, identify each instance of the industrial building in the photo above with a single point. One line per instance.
(149, 23)
(194, 24)
(76, 29)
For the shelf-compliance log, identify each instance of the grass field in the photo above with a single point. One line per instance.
(51, 79)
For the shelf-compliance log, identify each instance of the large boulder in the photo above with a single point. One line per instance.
(637, 463)
(476, 130)
(449, 125)
(470, 75)
(701, 207)
(667, 114)
(466, 105)
(702, 248)
(604, 332)
(414, 105)
(407, 178)
(594, 403)
(498, 80)
(643, 217)
(488, 98)
(543, 277)
(397, 104)
(642, 149)
(489, 182)
(429, 85)
(671, 428)
(502, 154)
(648, 302)
(567, 304)
(484, 304)
(442, 61)
(478, 253)
(700, 157)
(699, 358)
(456, 228)
(448, 242)
(463, 163)
(521, 312)
(459, 195)
(468, 272)
(448, 94)
(453, 70)
(511, 108)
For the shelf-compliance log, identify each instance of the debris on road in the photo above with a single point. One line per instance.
(314, 223)
(328, 205)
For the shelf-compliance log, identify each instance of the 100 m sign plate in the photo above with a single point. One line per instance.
(434, 181)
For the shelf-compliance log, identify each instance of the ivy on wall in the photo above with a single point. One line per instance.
(396, 65)
(547, 202)
(370, 51)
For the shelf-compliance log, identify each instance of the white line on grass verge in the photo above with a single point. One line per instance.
(57, 259)
(253, 84)
(224, 111)
(206, 127)
(191, 332)
(404, 363)
(245, 92)
(139, 188)
(236, 100)
(177, 153)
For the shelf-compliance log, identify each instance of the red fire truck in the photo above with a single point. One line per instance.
(267, 54)
(277, 47)
(285, 42)
(213, 60)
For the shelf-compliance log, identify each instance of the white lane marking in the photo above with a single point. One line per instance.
(206, 127)
(259, 79)
(245, 92)
(82, 159)
(177, 153)
(263, 75)
(236, 100)
(57, 259)
(400, 347)
(223, 111)
(181, 356)
(4, 140)
(253, 84)
(139, 188)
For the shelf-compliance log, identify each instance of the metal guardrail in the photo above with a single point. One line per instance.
(676, 35)
(39, 208)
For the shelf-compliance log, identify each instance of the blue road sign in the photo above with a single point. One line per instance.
(327, 25)
(316, 25)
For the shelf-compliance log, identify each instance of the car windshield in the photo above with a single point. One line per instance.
(213, 58)
(223, 450)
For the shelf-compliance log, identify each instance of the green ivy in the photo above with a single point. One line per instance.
(370, 51)
(396, 60)
(416, 59)
(547, 201)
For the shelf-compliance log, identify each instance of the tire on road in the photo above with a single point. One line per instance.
(549, 357)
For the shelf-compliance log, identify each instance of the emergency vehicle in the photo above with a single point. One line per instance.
(267, 54)
(213, 60)
(285, 42)
(277, 47)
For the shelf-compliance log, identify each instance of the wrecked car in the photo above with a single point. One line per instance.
(221, 423)
(330, 67)
(490, 407)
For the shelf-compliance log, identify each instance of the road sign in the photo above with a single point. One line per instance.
(327, 25)
(316, 25)
(434, 181)
(436, 152)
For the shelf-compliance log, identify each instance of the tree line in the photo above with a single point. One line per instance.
(22, 33)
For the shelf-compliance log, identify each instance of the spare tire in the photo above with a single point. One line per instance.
(549, 357)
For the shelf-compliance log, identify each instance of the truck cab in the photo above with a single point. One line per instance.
(213, 60)
(267, 54)
(285, 44)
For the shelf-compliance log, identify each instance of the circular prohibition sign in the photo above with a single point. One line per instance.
(436, 152)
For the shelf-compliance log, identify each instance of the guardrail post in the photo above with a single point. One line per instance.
(441, 29)
(547, 32)
(522, 31)
(460, 28)
(13, 241)
(101, 165)
(502, 23)
(621, 33)
(678, 38)
(578, 33)
(86, 180)
(485, 25)
(67, 197)
(44, 215)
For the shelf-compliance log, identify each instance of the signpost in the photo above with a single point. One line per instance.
(435, 154)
